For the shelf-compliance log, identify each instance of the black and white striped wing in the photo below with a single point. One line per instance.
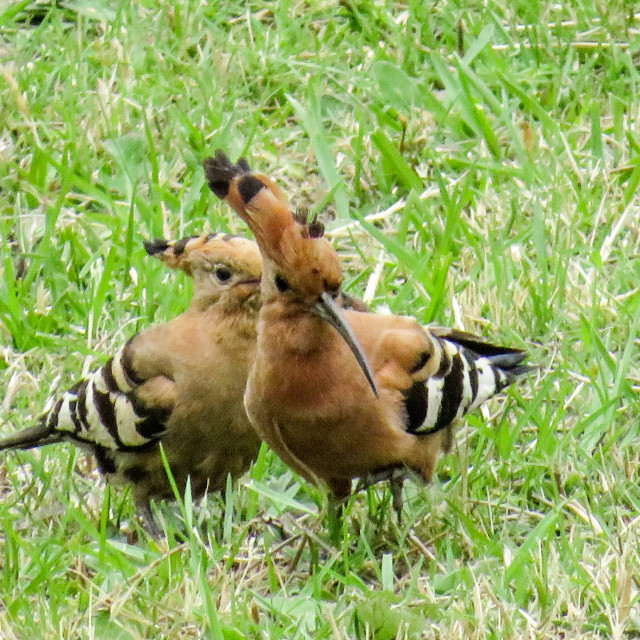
(103, 409)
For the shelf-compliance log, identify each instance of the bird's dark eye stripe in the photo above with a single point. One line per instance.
(281, 284)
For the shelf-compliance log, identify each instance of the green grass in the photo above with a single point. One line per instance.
(499, 143)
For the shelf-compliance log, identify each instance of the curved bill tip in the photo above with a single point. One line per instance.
(327, 309)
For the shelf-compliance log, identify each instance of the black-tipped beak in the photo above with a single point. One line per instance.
(327, 309)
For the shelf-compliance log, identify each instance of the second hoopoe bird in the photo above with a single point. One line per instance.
(329, 415)
(180, 384)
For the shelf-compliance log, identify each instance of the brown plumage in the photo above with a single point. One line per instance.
(179, 383)
(306, 393)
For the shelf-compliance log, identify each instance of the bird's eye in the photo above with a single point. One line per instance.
(222, 274)
(281, 284)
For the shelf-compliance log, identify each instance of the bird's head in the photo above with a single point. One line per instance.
(301, 269)
(221, 265)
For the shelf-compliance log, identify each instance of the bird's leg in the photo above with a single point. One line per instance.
(338, 496)
(375, 477)
(148, 522)
(334, 517)
(395, 484)
(396, 478)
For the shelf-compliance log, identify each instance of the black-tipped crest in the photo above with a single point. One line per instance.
(249, 187)
(301, 216)
(156, 246)
(316, 229)
(180, 246)
(220, 172)
(311, 228)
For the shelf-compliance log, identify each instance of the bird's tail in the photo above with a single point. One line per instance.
(471, 371)
(36, 436)
(506, 359)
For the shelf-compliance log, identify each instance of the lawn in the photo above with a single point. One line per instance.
(477, 164)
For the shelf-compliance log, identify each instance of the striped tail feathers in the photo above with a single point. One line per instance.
(477, 344)
(507, 359)
(471, 372)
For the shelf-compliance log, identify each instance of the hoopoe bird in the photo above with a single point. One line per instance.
(331, 416)
(180, 384)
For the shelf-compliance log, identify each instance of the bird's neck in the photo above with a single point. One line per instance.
(238, 315)
(291, 329)
(297, 364)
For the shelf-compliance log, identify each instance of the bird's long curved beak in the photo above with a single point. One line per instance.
(250, 281)
(327, 309)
